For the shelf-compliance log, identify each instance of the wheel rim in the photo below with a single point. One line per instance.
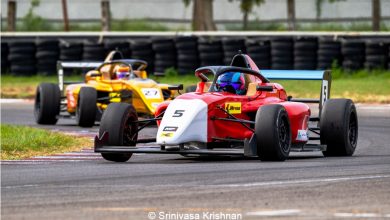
(352, 130)
(284, 134)
(130, 131)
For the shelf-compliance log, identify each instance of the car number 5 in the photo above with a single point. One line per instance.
(178, 113)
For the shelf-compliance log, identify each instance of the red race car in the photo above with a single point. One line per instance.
(235, 110)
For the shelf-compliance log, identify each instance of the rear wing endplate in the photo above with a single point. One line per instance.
(72, 65)
(323, 75)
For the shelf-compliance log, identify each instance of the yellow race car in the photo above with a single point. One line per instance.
(114, 80)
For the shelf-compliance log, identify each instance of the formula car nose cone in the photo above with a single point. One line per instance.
(184, 121)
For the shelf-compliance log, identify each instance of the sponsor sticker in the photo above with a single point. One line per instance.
(151, 93)
(170, 128)
(166, 134)
(233, 107)
(302, 135)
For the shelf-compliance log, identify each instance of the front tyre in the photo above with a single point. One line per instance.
(273, 133)
(47, 103)
(119, 120)
(86, 107)
(339, 127)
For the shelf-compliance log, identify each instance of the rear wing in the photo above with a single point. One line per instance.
(72, 65)
(323, 75)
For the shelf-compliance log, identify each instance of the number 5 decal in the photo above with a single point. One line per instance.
(178, 113)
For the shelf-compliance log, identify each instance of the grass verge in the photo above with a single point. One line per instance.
(24, 86)
(18, 142)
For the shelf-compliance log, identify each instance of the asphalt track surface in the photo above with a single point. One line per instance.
(307, 186)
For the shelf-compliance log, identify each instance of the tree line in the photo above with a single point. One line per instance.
(202, 13)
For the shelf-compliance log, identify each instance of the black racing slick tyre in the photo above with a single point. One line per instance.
(119, 121)
(339, 127)
(273, 133)
(47, 103)
(86, 107)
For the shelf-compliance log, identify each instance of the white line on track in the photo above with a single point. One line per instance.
(270, 213)
(67, 157)
(37, 162)
(359, 215)
(320, 180)
(14, 100)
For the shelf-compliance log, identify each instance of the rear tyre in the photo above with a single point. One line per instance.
(86, 107)
(273, 133)
(339, 127)
(47, 103)
(118, 120)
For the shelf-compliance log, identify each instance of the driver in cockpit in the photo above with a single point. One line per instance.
(232, 82)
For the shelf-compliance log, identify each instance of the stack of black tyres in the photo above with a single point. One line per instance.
(47, 56)
(305, 53)
(282, 49)
(4, 57)
(260, 52)
(376, 55)
(164, 54)
(388, 58)
(231, 46)
(122, 46)
(71, 51)
(210, 52)
(22, 57)
(142, 49)
(94, 51)
(187, 54)
(353, 51)
(329, 53)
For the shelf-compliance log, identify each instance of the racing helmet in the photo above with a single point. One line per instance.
(233, 82)
(122, 72)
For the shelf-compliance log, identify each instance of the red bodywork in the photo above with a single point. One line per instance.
(298, 113)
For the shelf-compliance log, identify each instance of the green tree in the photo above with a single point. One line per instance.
(33, 22)
(246, 7)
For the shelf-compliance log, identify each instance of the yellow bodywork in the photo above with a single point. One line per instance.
(146, 93)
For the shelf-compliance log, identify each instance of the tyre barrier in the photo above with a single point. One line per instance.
(22, 57)
(47, 55)
(282, 53)
(4, 57)
(388, 57)
(187, 54)
(165, 54)
(305, 53)
(71, 50)
(122, 46)
(230, 47)
(142, 49)
(260, 52)
(353, 52)
(376, 55)
(94, 51)
(210, 52)
(28, 57)
(328, 53)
